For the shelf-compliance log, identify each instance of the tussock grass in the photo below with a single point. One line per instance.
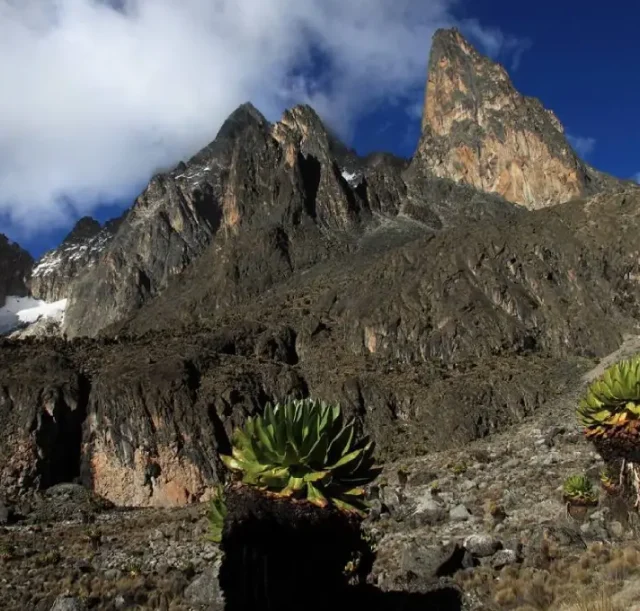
(581, 582)
(602, 602)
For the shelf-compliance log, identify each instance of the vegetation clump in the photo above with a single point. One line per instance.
(579, 489)
(302, 449)
(608, 481)
(611, 407)
(217, 513)
(610, 415)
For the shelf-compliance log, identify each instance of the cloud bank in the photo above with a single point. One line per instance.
(99, 94)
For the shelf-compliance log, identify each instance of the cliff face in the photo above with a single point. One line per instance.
(479, 130)
(168, 226)
(15, 267)
(256, 206)
(434, 342)
(257, 203)
(53, 274)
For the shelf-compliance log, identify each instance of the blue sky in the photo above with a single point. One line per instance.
(578, 59)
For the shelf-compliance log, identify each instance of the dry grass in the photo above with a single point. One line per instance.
(586, 582)
(603, 602)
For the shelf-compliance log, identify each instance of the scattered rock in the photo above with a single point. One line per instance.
(459, 513)
(205, 589)
(433, 562)
(616, 529)
(391, 499)
(5, 513)
(482, 545)
(503, 558)
(551, 434)
(68, 603)
(428, 511)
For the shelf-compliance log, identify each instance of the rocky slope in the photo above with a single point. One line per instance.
(488, 517)
(431, 354)
(261, 202)
(477, 129)
(15, 267)
(53, 274)
(168, 226)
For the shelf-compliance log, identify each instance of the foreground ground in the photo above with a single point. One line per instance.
(527, 553)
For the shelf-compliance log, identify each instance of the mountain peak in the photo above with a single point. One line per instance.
(86, 228)
(242, 116)
(479, 130)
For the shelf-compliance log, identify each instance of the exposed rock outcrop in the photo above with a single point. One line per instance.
(478, 129)
(435, 343)
(313, 202)
(168, 226)
(15, 267)
(260, 201)
(53, 274)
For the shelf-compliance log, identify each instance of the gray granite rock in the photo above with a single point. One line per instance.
(68, 603)
(482, 545)
(503, 558)
(205, 589)
(459, 513)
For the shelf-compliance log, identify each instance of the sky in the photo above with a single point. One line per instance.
(98, 95)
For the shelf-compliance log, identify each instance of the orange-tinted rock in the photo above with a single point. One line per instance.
(477, 129)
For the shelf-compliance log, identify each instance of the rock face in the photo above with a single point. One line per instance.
(436, 342)
(168, 226)
(57, 269)
(479, 130)
(296, 198)
(261, 200)
(15, 266)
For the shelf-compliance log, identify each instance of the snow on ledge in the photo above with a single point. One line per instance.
(351, 177)
(20, 311)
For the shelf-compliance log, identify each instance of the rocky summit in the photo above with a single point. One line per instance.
(452, 299)
(477, 129)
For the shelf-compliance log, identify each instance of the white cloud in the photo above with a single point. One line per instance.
(583, 146)
(94, 98)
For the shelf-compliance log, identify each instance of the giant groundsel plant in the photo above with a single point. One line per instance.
(303, 449)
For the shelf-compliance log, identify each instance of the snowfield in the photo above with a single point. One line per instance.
(18, 312)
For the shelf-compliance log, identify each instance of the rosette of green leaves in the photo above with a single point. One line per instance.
(579, 488)
(612, 401)
(302, 449)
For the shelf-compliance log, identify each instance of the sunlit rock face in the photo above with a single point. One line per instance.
(477, 129)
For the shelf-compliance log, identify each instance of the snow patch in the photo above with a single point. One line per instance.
(21, 311)
(52, 260)
(351, 177)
